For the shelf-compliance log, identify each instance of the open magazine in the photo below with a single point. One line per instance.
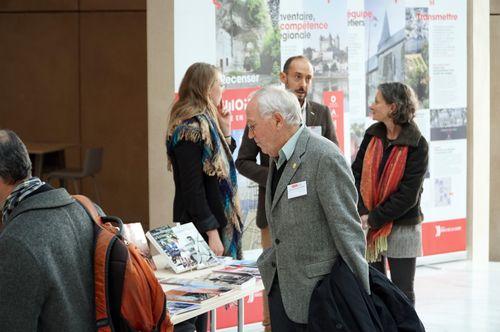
(183, 246)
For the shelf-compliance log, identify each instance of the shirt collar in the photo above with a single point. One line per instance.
(303, 111)
(287, 150)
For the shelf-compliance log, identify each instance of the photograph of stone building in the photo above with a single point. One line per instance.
(330, 65)
(387, 63)
(248, 40)
(417, 54)
(401, 52)
(327, 50)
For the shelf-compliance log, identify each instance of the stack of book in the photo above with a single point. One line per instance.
(185, 249)
(235, 262)
(176, 307)
(191, 293)
(241, 270)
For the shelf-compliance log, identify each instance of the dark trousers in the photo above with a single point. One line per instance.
(402, 274)
(279, 319)
(198, 323)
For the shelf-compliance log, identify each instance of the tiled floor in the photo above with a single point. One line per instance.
(459, 296)
(453, 297)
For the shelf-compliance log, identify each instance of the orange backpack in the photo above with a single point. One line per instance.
(128, 297)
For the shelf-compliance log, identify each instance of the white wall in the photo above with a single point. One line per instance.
(160, 32)
(478, 207)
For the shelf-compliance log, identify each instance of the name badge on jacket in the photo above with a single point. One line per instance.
(297, 189)
(315, 129)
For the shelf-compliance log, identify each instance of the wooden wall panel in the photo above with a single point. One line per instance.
(113, 5)
(495, 139)
(39, 77)
(114, 108)
(37, 5)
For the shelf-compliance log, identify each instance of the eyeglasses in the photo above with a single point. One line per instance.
(251, 127)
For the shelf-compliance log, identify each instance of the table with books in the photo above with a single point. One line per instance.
(195, 280)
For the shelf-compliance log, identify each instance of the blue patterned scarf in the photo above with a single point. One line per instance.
(18, 194)
(216, 161)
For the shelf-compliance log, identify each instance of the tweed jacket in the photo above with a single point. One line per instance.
(309, 232)
(317, 115)
(46, 265)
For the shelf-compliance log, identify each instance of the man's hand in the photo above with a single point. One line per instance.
(364, 221)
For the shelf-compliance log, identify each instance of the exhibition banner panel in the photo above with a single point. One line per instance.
(335, 102)
(353, 45)
(227, 316)
(444, 236)
(235, 101)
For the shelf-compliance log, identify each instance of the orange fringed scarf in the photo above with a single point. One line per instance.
(375, 191)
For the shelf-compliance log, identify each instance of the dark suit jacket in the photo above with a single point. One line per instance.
(246, 163)
(197, 197)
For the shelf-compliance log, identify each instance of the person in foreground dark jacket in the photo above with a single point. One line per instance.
(46, 250)
(339, 303)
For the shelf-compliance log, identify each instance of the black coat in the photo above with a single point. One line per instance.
(340, 303)
(197, 196)
(403, 206)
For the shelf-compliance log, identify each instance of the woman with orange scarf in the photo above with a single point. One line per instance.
(389, 170)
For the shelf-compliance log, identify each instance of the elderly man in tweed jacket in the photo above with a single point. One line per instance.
(310, 207)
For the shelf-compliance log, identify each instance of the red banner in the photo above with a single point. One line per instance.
(228, 316)
(236, 100)
(444, 236)
(335, 102)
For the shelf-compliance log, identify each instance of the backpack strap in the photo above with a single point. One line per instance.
(89, 206)
(103, 242)
(103, 245)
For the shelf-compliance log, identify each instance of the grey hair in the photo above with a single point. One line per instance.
(403, 97)
(274, 99)
(15, 163)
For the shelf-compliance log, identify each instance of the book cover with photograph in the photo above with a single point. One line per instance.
(235, 269)
(195, 284)
(183, 246)
(134, 233)
(190, 296)
(230, 280)
(240, 262)
(176, 308)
